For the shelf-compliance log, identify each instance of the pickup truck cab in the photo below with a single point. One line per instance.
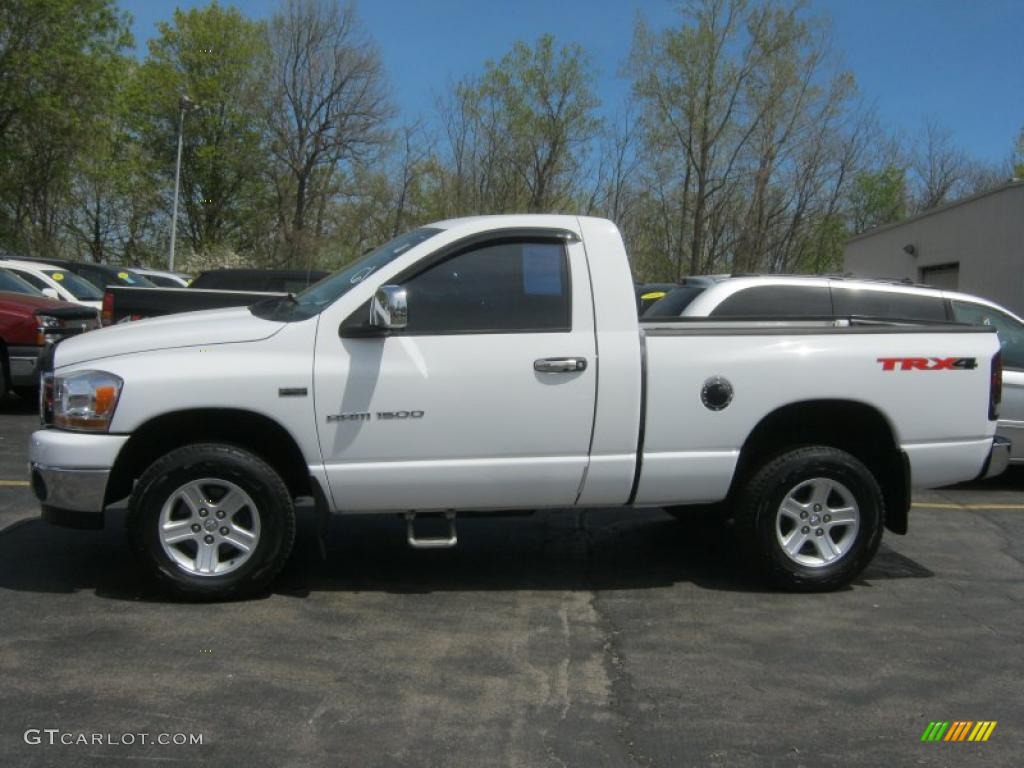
(497, 363)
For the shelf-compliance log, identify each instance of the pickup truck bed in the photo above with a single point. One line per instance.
(497, 363)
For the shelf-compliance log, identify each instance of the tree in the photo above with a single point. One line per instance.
(940, 168)
(219, 59)
(745, 130)
(59, 67)
(878, 197)
(518, 134)
(328, 107)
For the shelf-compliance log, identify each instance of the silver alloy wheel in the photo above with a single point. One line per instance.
(209, 527)
(817, 522)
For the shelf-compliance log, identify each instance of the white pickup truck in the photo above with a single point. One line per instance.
(497, 363)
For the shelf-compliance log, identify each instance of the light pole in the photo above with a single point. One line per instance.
(185, 104)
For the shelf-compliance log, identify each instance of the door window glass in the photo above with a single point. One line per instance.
(503, 287)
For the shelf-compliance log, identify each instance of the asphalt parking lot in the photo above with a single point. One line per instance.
(593, 638)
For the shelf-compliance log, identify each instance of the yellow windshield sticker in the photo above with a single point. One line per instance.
(58, 276)
(123, 275)
(653, 295)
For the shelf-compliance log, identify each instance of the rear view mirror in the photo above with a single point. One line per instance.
(389, 308)
(51, 293)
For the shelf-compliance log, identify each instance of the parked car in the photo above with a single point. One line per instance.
(772, 296)
(456, 368)
(163, 278)
(56, 282)
(29, 325)
(100, 275)
(210, 290)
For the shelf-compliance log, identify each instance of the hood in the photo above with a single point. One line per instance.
(188, 329)
(30, 302)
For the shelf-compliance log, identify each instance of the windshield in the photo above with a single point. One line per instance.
(81, 289)
(314, 299)
(127, 277)
(674, 302)
(11, 282)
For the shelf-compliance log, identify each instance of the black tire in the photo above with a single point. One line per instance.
(759, 521)
(276, 515)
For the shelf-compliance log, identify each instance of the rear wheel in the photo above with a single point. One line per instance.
(212, 521)
(812, 518)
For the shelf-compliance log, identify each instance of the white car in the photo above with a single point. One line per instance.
(496, 363)
(769, 296)
(56, 282)
(164, 278)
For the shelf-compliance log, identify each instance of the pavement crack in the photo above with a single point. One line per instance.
(622, 689)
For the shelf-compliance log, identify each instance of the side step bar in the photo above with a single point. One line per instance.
(436, 542)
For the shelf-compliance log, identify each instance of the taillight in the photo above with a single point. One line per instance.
(995, 388)
(107, 315)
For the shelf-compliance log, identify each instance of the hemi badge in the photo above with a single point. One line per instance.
(291, 392)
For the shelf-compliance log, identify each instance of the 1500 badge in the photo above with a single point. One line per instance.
(379, 415)
(928, 363)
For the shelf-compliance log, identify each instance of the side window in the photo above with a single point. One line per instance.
(888, 304)
(773, 301)
(502, 287)
(28, 277)
(1011, 333)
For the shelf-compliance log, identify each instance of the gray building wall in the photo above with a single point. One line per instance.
(984, 235)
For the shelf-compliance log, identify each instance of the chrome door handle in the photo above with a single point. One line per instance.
(560, 365)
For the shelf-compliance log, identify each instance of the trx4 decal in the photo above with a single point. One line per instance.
(928, 363)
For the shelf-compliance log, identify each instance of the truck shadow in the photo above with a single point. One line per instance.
(592, 550)
(1011, 479)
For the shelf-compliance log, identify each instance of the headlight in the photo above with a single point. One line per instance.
(46, 330)
(85, 401)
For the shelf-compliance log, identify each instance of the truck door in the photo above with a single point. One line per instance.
(485, 400)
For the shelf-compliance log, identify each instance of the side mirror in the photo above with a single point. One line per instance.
(389, 308)
(51, 293)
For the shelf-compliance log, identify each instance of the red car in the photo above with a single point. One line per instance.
(29, 325)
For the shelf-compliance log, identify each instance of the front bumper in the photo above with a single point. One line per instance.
(72, 498)
(69, 473)
(24, 365)
(998, 458)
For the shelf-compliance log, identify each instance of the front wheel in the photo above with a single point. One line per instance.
(812, 518)
(212, 521)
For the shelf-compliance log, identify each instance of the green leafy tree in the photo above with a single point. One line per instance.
(60, 62)
(878, 197)
(219, 59)
(518, 134)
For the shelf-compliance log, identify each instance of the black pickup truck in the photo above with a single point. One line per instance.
(210, 290)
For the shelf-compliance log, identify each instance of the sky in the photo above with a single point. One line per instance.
(957, 61)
